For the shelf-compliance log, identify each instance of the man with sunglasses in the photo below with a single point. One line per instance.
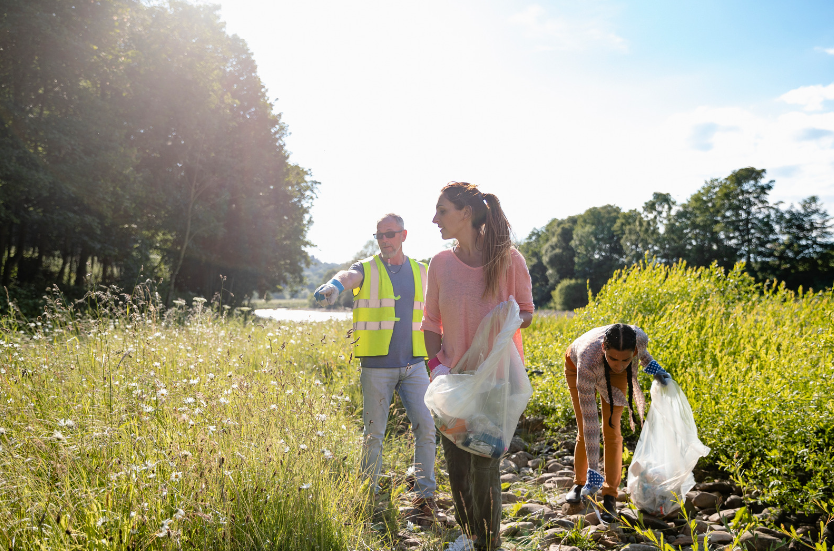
(389, 291)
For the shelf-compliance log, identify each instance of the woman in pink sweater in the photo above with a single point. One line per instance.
(465, 283)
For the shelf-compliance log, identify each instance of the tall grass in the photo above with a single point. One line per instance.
(126, 426)
(756, 363)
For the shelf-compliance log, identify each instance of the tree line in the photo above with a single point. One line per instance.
(726, 221)
(137, 141)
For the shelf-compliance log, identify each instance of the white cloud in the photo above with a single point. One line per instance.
(829, 51)
(567, 33)
(810, 98)
(795, 147)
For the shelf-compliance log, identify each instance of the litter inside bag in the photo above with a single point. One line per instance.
(477, 406)
(668, 450)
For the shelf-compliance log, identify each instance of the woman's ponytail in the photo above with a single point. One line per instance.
(496, 246)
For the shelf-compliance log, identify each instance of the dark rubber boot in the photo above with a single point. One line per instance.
(609, 512)
(574, 495)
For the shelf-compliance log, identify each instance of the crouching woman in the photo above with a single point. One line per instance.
(602, 361)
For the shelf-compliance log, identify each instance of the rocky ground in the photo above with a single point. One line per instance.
(536, 475)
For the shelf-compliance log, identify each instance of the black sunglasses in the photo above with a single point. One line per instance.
(388, 234)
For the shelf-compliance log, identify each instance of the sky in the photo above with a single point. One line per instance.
(554, 107)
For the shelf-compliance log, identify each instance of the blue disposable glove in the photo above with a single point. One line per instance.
(329, 291)
(660, 374)
(593, 484)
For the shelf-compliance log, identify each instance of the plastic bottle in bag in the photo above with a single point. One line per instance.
(487, 390)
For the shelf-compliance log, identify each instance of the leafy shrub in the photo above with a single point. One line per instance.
(755, 362)
(570, 294)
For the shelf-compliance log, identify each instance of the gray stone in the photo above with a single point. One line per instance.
(542, 478)
(563, 523)
(649, 521)
(508, 497)
(622, 497)
(759, 541)
(507, 466)
(721, 516)
(571, 509)
(639, 547)
(567, 460)
(719, 538)
(516, 528)
(509, 477)
(558, 482)
(733, 502)
(526, 471)
(699, 525)
(553, 535)
(554, 466)
(565, 472)
(533, 509)
(682, 540)
(705, 500)
(520, 459)
(517, 445)
(535, 463)
(591, 519)
(560, 547)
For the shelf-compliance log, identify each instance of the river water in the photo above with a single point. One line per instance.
(286, 314)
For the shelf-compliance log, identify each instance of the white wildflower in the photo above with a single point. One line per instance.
(223, 400)
(306, 486)
(162, 392)
(273, 407)
(212, 428)
(320, 434)
(176, 476)
(147, 409)
(58, 436)
(68, 423)
(210, 376)
(327, 454)
(303, 446)
(321, 417)
(179, 514)
(289, 391)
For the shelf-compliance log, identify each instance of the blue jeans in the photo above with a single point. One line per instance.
(378, 386)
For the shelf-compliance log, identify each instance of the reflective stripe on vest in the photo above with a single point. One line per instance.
(374, 317)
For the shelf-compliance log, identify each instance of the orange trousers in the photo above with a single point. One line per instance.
(612, 437)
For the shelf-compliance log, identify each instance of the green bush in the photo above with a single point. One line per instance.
(570, 294)
(755, 363)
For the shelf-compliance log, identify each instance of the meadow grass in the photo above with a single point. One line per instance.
(125, 426)
(755, 361)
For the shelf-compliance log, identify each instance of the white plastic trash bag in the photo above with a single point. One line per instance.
(668, 450)
(477, 406)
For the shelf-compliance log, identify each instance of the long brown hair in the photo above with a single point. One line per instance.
(493, 229)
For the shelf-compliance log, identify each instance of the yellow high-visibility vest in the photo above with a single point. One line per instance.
(373, 309)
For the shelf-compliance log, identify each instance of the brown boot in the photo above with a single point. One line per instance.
(425, 512)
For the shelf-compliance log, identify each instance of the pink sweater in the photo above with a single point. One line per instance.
(455, 307)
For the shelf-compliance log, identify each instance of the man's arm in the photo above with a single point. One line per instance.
(346, 279)
(350, 279)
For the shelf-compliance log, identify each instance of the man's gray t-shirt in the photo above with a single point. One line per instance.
(400, 351)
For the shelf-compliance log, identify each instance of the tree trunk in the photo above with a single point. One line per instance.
(81, 268)
(14, 261)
